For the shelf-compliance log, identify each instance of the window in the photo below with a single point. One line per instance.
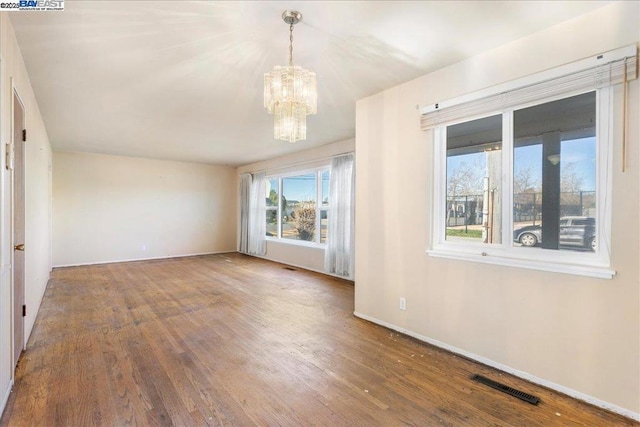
(522, 171)
(324, 206)
(474, 180)
(554, 181)
(526, 186)
(272, 202)
(296, 207)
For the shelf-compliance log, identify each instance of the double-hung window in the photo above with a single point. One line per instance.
(527, 182)
(296, 206)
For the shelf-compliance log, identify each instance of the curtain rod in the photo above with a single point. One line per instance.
(306, 162)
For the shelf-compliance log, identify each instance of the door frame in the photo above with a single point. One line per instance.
(16, 96)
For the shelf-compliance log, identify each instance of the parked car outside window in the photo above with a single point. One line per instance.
(576, 231)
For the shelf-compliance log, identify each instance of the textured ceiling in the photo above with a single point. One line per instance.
(183, 80)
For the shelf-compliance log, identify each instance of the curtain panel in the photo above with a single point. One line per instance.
(245, 189)
(257, 229)
(339, 253)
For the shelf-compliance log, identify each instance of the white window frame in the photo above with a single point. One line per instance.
(318, 171)
(596, 264)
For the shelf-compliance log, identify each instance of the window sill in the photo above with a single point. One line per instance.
(297, 243)
(581, 270)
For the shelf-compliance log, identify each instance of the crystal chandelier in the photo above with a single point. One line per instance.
(290, 92)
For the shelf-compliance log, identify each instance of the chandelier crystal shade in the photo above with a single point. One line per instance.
(290, 93)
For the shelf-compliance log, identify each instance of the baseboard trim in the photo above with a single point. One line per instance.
(6, 398)
(143, 259)
(299, 266)
(521, 374)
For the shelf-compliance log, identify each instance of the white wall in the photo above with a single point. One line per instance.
(311, 258)
(37, 201)
(112, 208)
(578, 334)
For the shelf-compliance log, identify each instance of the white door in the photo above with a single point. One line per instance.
(19, 136)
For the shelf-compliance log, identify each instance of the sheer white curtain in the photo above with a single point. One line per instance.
(338, 258)
(257, 223)
(245, 191)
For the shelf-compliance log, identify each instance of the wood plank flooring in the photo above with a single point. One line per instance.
(234, 340)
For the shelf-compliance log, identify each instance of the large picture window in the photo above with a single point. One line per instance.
(296, 206)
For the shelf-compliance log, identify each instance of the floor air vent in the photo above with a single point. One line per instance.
(506, 389)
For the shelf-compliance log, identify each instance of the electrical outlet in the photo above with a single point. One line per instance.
(144, 248)
(403, 303)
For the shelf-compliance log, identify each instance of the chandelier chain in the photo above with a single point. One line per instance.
(291, 44)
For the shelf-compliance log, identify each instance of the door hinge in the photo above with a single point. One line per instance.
(24, 311)
(24, 135)
(9, 157)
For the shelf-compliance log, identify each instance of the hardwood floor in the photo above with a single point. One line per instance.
(235, 340)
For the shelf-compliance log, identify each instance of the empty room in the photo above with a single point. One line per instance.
(333, 213)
